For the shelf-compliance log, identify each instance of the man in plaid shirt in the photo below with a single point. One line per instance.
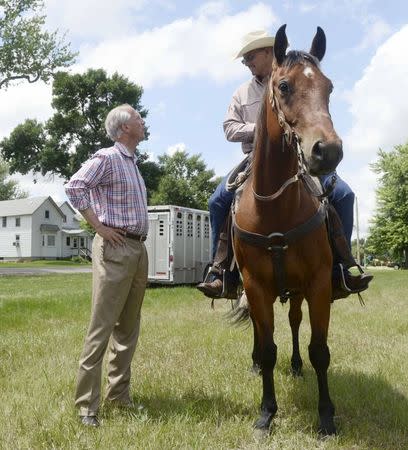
(110, 193)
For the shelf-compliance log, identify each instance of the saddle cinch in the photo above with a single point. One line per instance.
(224, 264)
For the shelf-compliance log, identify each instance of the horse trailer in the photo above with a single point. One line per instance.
(178, 244)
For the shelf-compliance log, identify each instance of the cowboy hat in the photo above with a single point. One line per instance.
(254, 40)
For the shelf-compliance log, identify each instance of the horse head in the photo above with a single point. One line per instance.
(299, 94)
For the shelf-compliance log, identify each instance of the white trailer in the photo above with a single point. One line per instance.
(178, 244)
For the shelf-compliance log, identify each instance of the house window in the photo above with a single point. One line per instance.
(50, 240)
(43, 240)
(17, 241)
(4, 222)
(47, 214)
(68, 241)
(64, 219)
(82, 242)
(75, 244)
(18, 221)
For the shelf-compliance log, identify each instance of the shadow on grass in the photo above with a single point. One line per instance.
(367, 407)
(194, 404)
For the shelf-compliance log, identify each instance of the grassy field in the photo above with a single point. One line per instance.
(44, 263)
(191, 371)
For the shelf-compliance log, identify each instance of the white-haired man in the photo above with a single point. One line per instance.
(110, 193)
(239, 126)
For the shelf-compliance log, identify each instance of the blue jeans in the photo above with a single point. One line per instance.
(342, 198)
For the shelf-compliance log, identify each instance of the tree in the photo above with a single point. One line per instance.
(9, 190)
(185, 181)
(76, 130)
(27, 52)
(389, 231)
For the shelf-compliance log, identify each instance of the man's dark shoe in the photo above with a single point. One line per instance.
(343, 286)
(89, 421)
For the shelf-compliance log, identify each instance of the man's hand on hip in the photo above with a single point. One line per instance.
(114, 235)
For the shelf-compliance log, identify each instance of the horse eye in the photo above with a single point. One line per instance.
(283, 87)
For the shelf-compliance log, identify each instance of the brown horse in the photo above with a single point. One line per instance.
(280, 239)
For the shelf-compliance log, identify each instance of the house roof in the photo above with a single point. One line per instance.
(60, 204)
(24, 206)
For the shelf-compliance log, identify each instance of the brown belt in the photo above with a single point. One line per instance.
(136, 237)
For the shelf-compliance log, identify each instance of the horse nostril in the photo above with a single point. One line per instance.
(317, 151)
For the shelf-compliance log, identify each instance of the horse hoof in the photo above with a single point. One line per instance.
(327, 430)
(261, 433)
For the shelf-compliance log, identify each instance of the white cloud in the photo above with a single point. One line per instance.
(376, 29)
(94, 19)
(179, 147)
(378, 104)
(52, 185)
(199, 46)
(379, 109)
(23, 101)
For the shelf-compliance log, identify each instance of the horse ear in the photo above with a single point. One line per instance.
(318, 48)
(280, 45)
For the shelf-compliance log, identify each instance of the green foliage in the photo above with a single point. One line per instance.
(9, 189)
(389, 230)
(84, 225)
(76, 130)
(185, 181)
(27, 52)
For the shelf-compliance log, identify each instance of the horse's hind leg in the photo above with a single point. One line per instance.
(295, 318)
(319, 311)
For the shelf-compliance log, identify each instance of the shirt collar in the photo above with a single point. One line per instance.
(123, 149)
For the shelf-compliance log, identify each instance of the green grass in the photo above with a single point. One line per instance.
(191, 372)
(44, 263)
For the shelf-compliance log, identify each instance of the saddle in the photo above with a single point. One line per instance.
(224, 264)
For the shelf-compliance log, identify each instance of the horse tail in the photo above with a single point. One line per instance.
(240, 314)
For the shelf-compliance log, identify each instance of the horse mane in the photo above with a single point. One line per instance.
(260, 126)
(298, 57)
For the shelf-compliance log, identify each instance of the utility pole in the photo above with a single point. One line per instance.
(357, 234)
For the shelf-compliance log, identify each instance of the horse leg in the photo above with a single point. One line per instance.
(295, 318)
(256, 357)
(319, 354)
(261, 304)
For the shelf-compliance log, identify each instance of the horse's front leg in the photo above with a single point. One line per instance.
(256, 353)
(261, 304)
(295, 318)
(319, 354)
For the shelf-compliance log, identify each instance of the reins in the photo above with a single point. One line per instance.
(269, 242)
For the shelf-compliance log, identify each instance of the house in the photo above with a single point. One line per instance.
(40, 228)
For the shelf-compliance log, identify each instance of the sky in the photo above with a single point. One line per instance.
(181, 53)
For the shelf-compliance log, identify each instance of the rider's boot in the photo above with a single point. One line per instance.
(220, 282)
(344, 282)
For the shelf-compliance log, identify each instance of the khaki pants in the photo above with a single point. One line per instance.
(119, 282)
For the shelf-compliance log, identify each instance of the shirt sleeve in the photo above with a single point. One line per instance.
(96, 171)
(235, 127)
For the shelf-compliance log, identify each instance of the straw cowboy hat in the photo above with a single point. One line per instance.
(254, 40)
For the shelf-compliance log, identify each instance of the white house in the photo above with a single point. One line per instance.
(39, 228)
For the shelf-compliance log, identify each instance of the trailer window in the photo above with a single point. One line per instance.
(206, 227)
(190, 225)
(161, 227)
(198, 226)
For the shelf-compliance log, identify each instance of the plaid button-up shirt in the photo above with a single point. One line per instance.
(110, 183)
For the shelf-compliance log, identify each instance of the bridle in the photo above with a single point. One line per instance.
(291, 140)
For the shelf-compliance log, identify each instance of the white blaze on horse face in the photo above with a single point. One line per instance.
(308, 72)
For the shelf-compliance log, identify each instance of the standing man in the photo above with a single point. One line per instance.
(110, 193)
(239, 126)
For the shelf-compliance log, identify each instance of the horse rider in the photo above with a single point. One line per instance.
(239, 126)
